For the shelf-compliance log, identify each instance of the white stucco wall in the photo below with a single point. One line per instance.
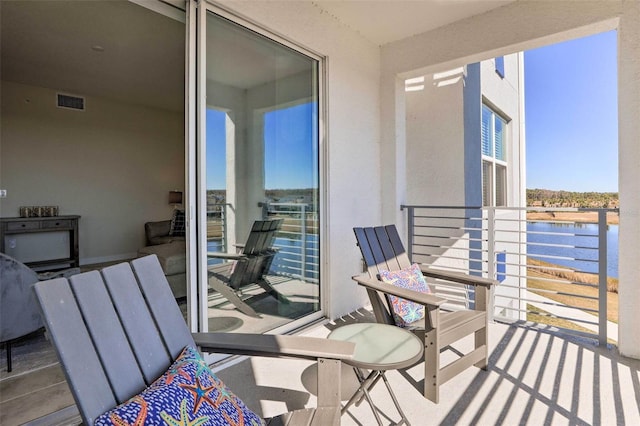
(112, 164)
(351, 147)
(517, 27)
(435, 144)
(232, 101)
(629, 178)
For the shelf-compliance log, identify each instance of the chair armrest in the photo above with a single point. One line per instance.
(414, 296)
(228, 256)
(457, 277)
(270, 345)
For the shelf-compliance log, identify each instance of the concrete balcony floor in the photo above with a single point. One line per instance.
(536, 376)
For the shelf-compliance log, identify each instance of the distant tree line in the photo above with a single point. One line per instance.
(549, 198)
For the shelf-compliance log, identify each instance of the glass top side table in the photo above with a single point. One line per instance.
(379, 347)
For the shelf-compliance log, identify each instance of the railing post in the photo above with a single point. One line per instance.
(491, 242)
(491, 254)
(303, 249)
(223, 218)
(602, 274)
(410, 225)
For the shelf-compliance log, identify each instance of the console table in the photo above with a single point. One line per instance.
(29, 225)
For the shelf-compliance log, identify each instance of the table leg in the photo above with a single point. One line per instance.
(395, 401)
(366, 384)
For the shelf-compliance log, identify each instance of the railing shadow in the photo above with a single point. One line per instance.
(577, 366)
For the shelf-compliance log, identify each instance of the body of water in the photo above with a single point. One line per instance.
(583, 239)
(581, 253)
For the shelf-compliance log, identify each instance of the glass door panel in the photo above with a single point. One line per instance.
(262, 171)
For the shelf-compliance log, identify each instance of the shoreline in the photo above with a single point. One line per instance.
(613, 218)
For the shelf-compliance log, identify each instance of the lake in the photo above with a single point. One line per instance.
(581, 235)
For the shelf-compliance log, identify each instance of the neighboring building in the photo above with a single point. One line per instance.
(465, 146)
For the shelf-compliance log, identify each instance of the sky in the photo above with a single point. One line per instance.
(216, 150)
(290, 148)
(571, 124)
(571, 115)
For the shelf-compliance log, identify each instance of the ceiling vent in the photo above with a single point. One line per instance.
(70, 102)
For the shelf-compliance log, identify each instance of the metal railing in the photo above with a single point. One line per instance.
(217, 225)
(297, 242)
(551, 270)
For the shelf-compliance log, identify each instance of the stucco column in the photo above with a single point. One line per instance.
(393, 159)
(629, 169)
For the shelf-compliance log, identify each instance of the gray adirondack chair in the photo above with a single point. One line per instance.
(117, 330)
(382, 248)
(247, 267)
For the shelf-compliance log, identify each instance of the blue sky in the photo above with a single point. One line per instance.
(571, 111)
(289, 148)
(216, 150)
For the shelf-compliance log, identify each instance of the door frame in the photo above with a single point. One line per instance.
(195, 158)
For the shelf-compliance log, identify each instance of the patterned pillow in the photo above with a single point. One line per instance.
(404, 311)
(188, 393)
(177, 224)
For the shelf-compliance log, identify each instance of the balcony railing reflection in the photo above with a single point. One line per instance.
(297, 241)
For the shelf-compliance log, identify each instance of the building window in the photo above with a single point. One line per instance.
(500, 66)
(494, 159)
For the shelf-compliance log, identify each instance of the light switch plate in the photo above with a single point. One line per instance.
(3, 193)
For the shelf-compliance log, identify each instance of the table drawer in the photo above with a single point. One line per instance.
(17, 226)
(56, 224)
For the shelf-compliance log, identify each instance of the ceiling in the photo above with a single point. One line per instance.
(112, 49)
(385, 21)
(120, 50)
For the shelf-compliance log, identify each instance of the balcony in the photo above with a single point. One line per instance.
(536, 375)
(549, 360)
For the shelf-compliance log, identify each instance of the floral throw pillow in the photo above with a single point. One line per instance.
(187, 394)
(404, 311)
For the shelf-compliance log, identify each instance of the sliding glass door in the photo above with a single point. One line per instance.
(258, 178)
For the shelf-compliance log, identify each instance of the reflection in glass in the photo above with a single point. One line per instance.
(261, 172)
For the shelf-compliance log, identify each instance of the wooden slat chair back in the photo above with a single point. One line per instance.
(382, 249)
(249, 267)
(258, 252)
(115, 332)
(118, 330)
(261, 236)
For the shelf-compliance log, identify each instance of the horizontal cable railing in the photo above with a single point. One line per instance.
(549, 270)
(217, 229)
(297, 242)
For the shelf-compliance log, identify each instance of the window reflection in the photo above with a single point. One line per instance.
(261, 180)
